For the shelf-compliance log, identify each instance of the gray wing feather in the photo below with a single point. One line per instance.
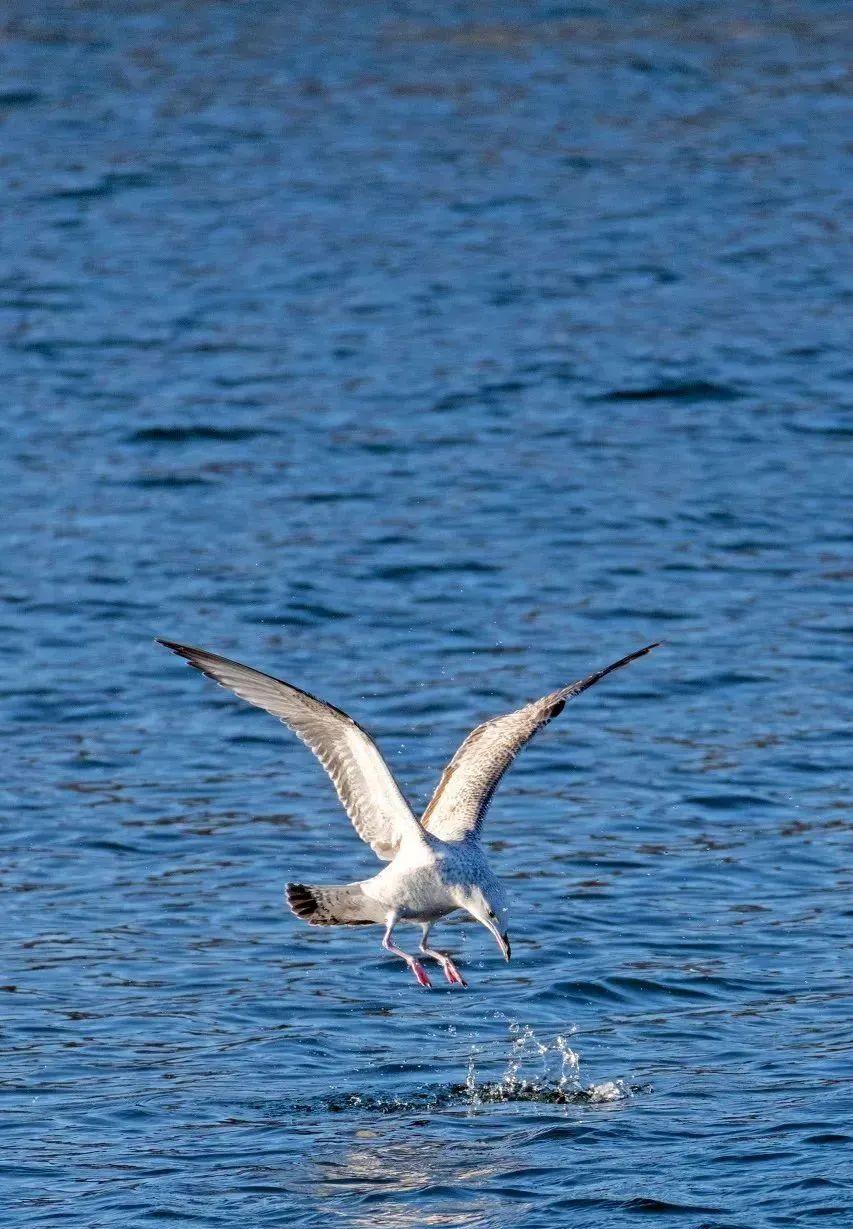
(362, 779)
(468, 783)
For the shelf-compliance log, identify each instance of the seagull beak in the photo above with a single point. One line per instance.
(502, 940)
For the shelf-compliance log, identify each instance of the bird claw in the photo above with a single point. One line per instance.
(420, 973)
(453, 975)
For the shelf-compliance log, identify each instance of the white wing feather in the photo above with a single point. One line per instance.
(362, 779)
(468, 783)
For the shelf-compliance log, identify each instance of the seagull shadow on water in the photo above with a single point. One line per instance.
(436, 865)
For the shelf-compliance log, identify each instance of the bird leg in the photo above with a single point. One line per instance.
(416, 967)
(448, 968)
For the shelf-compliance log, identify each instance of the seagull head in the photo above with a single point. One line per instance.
(487, 905)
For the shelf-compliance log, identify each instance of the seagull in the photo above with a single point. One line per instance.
(436, 865)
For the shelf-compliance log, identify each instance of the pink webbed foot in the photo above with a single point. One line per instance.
(452, 973)
(420, 973)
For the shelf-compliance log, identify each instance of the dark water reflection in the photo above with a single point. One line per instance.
(430, 358)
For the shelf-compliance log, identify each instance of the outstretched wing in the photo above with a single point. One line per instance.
(468, 783)
(364, 784)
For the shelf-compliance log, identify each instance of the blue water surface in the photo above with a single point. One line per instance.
(428, 356)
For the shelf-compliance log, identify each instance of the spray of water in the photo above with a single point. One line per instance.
(536, 1070)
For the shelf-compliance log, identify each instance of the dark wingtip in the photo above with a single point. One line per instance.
(624, 661)
(642, 652)
(575, 689)
(182, 650)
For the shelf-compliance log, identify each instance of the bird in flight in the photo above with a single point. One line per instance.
(436, 864)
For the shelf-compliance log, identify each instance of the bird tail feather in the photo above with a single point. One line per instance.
(332, 905)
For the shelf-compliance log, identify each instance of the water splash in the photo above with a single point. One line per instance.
(536, 1070)
(546, 1072)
